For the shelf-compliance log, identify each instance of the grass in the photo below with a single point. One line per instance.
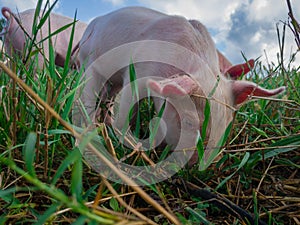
(45, 180)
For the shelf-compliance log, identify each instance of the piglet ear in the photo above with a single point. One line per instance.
(223, 62)
(173, 87)
(242, 90)
(236, 71)
(6, 12)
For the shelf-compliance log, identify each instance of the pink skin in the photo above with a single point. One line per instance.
(135, 24)
(15, 38)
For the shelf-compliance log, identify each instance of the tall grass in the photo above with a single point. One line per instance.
(36, 151)
(44, 179)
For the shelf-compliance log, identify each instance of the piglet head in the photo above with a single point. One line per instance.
(183, 114)
(229, 94)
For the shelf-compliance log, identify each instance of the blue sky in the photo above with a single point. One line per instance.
(89, 9)
(247, 26)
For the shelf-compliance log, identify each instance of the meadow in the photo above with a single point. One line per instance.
(45, 180)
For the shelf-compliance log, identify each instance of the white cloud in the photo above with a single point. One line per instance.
(19, 4)
(237, 25)
(256, 38)
(266, 11)
(214, 13)
(116, 2)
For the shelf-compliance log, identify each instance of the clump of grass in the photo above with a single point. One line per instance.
(37, 153)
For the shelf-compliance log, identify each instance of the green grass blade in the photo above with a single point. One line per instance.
(225, 136)
(51, 66)
(45, 16)
(214, 88)
(29, 153)
(199, 217)
(80, 220)
(59, 30)
(47, 214)
(114, 204)
(76, 181)
(200, 148)
(135, 95)
(69, 160)
(204, 164)
(6, 194)
(154, 127)
(242, 163)
(69, 98)
(69, 51)
(133, 81)
(164, 154)
(36, 16)
(285, 145)
(58, 131)
(206, 119)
